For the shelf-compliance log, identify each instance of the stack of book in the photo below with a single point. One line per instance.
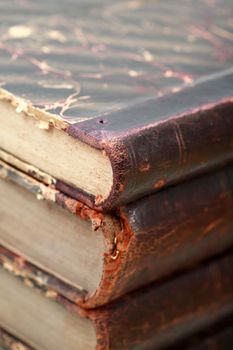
(116, 175)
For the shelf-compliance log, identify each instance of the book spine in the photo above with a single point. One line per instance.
(168, 232)
(152, 238)
(163, 141)
(162, 314)
(216, 337)
(176, 150)
(219, 341)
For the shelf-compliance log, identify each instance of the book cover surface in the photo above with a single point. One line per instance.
(217, 337)
(160, 314)
(149, 83)
(152, 238)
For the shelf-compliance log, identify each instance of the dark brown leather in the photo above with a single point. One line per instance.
(175, 228)
(150, 83)
(155, 236)
(161, 313)
(168, 231)
(163, 141)
(219, 341)
(216, 337)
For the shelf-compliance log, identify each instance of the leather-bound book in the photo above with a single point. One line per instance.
(117, 100)
(99, 257)
(218, 337)
(151, 318)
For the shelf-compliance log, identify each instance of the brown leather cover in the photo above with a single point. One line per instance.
(153, 237)
(220, 341)
(161, 314)
(175, 228)
(165, 141)
(147, 82)
(216, 337)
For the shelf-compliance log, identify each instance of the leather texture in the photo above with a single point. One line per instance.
(216, 337)
(147, 82)
(161, 314)
(83, 59)
(163, 141)
(152, 238)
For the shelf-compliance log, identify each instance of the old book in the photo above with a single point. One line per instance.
(218, 336)
(151, 318)
(215, 338)
(98, 257)
(220, 339)
(116, 101)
